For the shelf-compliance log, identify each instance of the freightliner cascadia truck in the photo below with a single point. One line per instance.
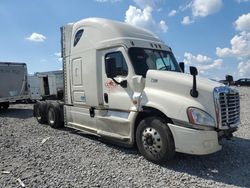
(123, 84)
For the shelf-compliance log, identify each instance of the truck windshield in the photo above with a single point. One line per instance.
(144, 59)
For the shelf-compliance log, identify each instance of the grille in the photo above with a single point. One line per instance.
(230, 108)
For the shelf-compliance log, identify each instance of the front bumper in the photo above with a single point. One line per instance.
(192, 141)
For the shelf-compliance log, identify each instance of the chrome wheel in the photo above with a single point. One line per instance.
(51, 116)
(38, 114)
(152, 141)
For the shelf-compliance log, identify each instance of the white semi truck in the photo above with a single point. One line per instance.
(122, 83)
(13, 83)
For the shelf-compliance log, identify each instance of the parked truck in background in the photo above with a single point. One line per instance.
(122, 83)
(242, 82)
(34, 88)
(13, 83)
(44, 85)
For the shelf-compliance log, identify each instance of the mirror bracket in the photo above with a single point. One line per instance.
(123, 83)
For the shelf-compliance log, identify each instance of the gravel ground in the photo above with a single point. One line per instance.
(44, 157)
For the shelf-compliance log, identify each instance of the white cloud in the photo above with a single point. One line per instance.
(203, 8)
(244, 68)
(215, 65)
(163, 26)
(240, 47)
(200, 8)
(36, 37)
(223, 52)
(172, 13)
(143, 18)
(199, 59)
(185, 6)
(138, 17)
(202, 62)
(186, 21)
(58, 56)
(151, 3)
(243, 23)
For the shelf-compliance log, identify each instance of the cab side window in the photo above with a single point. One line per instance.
(121, 65)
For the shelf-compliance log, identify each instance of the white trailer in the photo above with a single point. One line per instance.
(124, 84)
(13, 83)
(45, 84)
(34, 88)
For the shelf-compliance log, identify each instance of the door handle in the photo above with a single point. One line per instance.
(106, 98)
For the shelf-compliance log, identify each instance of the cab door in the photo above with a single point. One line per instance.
(115, 96)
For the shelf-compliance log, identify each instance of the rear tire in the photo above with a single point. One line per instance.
(154, 140)
(39, 112)
(54, 116)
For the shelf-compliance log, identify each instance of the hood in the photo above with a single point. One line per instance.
(180, 83)
(176, 86)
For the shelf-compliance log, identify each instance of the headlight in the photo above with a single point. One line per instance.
(199, 117)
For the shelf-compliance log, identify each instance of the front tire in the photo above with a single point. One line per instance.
(154, 140)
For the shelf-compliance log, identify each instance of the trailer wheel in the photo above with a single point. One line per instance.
(39, 112)
(6, 105)
(154, 140)
(54, 116)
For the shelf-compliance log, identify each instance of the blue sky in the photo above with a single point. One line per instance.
(213, 35)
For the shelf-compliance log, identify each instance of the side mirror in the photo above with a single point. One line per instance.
(110, 67)
(193, 92)
(182, 66)
(193, 71)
